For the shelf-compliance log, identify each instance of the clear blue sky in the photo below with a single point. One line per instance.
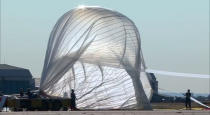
(174, 34)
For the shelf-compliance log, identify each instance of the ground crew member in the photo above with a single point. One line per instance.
(187, 100)
(73, 101)
(21, 92)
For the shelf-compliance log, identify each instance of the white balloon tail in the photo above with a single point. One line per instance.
(177, 74)
(198, 102)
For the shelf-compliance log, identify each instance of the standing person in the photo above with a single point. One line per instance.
(73, 101)
(21, 92)
(29, 93)
(187, 100)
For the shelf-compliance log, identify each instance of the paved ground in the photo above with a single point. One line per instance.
(155, 112)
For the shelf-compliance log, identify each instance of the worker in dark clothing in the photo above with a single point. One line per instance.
(29, 94)
(21, 92)
(1, 94)
(188, 101)
(73, 101)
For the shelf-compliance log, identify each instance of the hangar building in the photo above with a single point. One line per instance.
(13, 78)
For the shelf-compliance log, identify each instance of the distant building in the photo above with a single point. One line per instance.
(156, 97)
(154, 83)
(13, 78)
(37, 82)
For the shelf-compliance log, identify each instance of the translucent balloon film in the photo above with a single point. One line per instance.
(96, 52)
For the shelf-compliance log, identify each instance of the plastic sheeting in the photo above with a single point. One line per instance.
(96, 52)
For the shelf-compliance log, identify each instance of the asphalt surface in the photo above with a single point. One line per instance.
(155, 112)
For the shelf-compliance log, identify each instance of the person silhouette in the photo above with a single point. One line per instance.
(21, 92)
(73, 101)
(187, 100)
(28, 93)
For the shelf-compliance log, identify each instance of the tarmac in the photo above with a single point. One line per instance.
(154, 112)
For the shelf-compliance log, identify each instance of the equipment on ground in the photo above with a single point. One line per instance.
(38, 104)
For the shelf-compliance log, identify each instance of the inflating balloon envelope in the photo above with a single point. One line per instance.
(96, 52)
